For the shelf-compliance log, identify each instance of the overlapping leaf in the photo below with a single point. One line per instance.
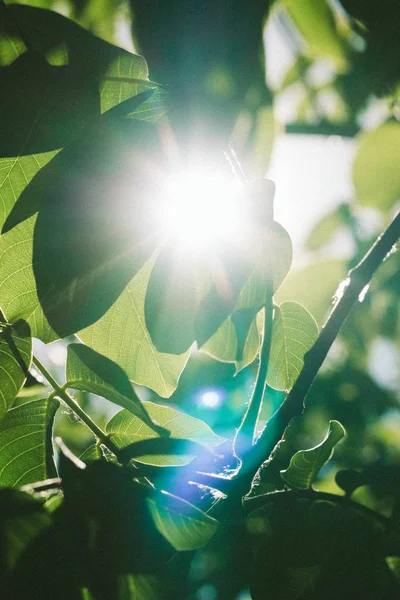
(121, 335)
(93, 77)
(294, 333)
(237, 339)
(25, 443)
(305, 464)
(183, 525)
(126, 429)
(91, 372)
(15, 360)
(18, 293)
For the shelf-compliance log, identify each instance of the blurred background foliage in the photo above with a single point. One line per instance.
(309, 94)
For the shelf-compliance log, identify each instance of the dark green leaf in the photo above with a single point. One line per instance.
(294, 333)
(183, 525)
(21, 518)
(305, 464)
(376, 170)
(126, 429)
(15, 360)
(25, 443)
(89, 371)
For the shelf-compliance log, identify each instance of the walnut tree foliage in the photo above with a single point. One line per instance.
(105, 494)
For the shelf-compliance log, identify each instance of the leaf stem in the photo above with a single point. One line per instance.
(350, 290)
(74, 406)
(245, 435)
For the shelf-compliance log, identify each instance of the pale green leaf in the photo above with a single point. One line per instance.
(91, 372)
(125, 429)
(25, 443)
(376, 170)
(305, 464)
(183, 525)
(293, 334)
(122, 336)
(137, 587)
(314, 19)
(231, 342)
(314, 286)
(18, 294)
(224, 345)
(15, 360)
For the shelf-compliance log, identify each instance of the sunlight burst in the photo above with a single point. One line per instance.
(203, 211)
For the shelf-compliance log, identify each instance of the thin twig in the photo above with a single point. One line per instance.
(61, 393)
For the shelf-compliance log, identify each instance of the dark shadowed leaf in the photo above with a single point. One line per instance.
(126, 429)
(305, 464)
(26, 453)
(15, 360)
(89, 77)
(21, 518)
(89, 371)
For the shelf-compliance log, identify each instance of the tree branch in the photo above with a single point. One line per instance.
(359, 277)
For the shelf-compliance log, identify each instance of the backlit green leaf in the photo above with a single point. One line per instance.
(315, 21)
(376, 170)
(225, 345)
(122, 336)
(89, 371)
(125, 429)
(25, 443)
(314, 286)
(18, 293)
(294, 333)
(305, 464)
(15, 360)
(183, 525)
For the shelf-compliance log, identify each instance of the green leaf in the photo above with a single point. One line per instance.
(89, 371)
(92, 77)
(305, 464)
(376, 170)
(15, 360)
(325, 229)
(226, 346)
(125, 429)
(294, 333)
(313, 286)
(231, 342)
(15, 175)
(21, 518)
(122, 336)
(25, 443)
(18, 293)
(183, 525)
(314, 19)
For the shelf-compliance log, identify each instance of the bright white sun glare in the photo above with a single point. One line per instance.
(202, 210)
